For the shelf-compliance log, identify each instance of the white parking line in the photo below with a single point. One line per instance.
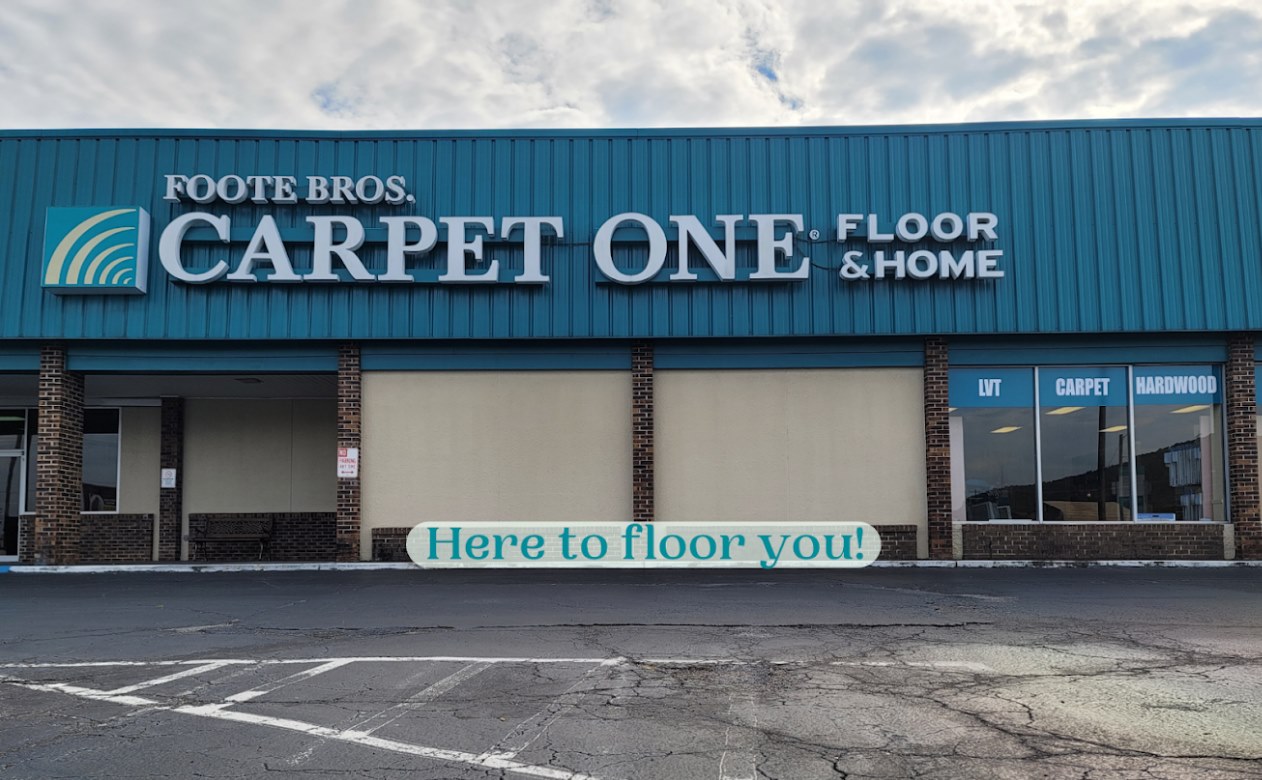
(969, 665)
(87, 693)
(440, 754)
(196, 670)
(737, 761)
(305, 674)
(389, 715)
(525, 733)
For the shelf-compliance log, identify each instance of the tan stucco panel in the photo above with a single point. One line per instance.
(269, 455)
(140, 460)
(140, 463)
(791, 445)
(495, 445)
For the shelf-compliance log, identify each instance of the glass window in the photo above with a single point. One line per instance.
(100, 460)
(12, 428)
(993, 472)
(1085, 444)
(1178, 443)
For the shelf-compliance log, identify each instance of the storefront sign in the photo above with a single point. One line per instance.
(906, 246)
(991, 387)
(1171, 385)
(1082, 386)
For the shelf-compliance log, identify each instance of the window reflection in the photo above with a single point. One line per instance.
(996, 446)
(1086, 463)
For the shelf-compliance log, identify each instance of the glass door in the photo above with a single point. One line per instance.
(10, 502)
(12, 443)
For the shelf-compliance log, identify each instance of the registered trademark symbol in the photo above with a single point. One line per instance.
(813, 235)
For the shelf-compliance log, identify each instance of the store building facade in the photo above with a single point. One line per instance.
(1019, 340)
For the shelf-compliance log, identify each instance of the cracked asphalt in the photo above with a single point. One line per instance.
(879, 673)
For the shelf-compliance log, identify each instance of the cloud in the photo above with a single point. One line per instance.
(636, 63)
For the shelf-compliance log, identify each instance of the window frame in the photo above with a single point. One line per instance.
(1221, 420)
(25, 511)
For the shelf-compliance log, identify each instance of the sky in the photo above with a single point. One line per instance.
(444, 64)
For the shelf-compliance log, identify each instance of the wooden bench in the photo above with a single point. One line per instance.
(231, 529)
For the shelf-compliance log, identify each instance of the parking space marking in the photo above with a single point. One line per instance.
(971, 666)
(495, 760)
(86, 693)
(737, 761)
(389, 715)
(524, 734)
(305, 674)
(219, 712)
(196, 670)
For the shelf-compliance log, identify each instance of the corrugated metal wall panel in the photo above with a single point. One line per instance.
(1106, 227)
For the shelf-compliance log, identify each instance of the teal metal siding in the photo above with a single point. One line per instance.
(1084, 209)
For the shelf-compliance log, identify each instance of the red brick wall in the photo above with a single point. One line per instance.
(390, 544)
(115, 538)
(296, 536)
(642, 433)
(349, 434)
(171, 500)
(898, 542)
(1242, 446)
(937, 449)
(1085, 541)
(59, 460)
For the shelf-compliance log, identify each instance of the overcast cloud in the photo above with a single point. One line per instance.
(615, 63)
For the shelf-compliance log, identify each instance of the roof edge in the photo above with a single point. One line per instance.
(663, 132)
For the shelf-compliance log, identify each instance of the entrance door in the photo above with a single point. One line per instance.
(10, 502)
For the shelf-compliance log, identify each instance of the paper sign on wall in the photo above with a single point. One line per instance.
(168, 478)
(347, 462)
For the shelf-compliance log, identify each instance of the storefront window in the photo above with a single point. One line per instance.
(1108, 444)
(100, 459)
(1178, 443)
(1085, 433)
(992, 444)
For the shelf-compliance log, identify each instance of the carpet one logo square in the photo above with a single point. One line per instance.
(96, 250)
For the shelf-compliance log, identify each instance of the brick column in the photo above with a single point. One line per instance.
(1242, 447)
(171, 500)
(937, 449)
(642, 432)
(58, 460)
(348, 435)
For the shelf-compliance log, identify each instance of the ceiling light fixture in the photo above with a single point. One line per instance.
(1067, 410)
(1007, 429)
(1190, 409)
(1113, 429)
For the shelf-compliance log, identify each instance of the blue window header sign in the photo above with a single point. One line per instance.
(1082, 386)
(991, 387)
(1177, 385)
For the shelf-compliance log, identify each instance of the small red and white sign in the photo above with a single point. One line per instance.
(347, 462)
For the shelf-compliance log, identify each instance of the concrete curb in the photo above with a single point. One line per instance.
(225, 568)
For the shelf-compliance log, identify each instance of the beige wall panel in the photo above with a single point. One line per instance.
(259, 455)
(313, 487)
(495, 445)
(791, 445)
(140, 455)
(140, 463)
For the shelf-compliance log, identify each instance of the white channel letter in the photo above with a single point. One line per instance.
(397, 247)
(603, 249)
(324, 249)
(173, 239)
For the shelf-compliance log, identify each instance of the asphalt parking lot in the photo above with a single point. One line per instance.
(620, 675)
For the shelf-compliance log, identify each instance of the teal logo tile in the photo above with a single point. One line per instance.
(96, 250)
